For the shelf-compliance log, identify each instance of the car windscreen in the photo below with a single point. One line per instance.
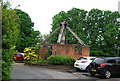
(99, 60)
(92, 58)
(80, 58)
(83, 58)
(18, 54)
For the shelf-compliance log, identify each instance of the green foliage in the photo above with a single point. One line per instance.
(68, 61)
(60, 60)
(10, 36)
(30, 54)
(10, 27)
(97, 28)
(6, 63)
(42, 62)
(28, 36)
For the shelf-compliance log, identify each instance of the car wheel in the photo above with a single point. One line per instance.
(107, 74)
(92, 73)
(87, 69)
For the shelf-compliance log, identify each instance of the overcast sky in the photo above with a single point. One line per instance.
(42, 11)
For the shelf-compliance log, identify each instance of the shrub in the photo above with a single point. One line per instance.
(42, 62)
(30, 55)
(69, 61)
(7, 63)
(60, 60)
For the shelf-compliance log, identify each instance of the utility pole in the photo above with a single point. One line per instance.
(119, 10)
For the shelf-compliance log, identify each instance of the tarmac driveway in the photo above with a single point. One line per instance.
(20, 71)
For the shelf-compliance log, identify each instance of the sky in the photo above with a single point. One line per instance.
(41, 12)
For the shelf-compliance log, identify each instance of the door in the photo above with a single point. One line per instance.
(113, 66)
(118, 66)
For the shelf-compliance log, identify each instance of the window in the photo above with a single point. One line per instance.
(18, 54)
(118, 61)
(78, 50)
(92, 58)
(56, 53)
(111, 61)
(80, 58)
(83, 58)
(99, 60)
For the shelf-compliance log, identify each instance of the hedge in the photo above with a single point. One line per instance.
(7, 63)
(60, 60)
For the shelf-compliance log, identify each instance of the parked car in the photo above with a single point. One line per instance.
(105, 66)
(83, 62)
(18, 57)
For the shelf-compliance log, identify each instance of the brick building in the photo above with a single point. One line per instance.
(71, 50)
(62, 49)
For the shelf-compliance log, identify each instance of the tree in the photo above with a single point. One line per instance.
(10, 27)
(98, 29)
(10, 36)
(103, 32)
(28, 36)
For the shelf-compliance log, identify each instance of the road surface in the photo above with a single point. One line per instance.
(20, 71)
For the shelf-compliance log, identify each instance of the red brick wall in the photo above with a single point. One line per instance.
(43, 52)
(85, 51)
(69, 50)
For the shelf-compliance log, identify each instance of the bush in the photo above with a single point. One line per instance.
(69, 61)
(30, 55)
(42, 62)
(60, 60)
(7, 63)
